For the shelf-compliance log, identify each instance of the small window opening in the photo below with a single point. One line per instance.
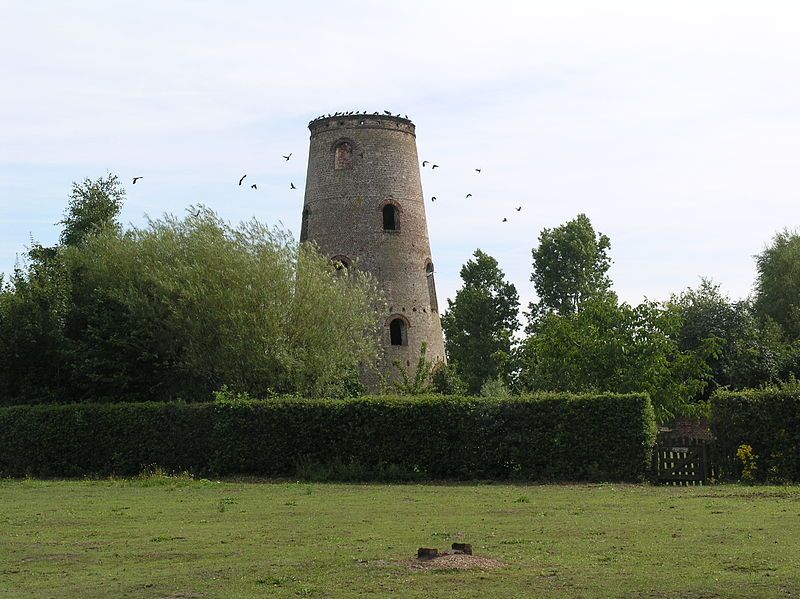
(390, 220)
(340, 264)
(343, 158)
(397, 332)
(304, 225)
(431, 287)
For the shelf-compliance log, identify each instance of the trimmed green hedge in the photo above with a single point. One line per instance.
(767, 420)
(544, 437)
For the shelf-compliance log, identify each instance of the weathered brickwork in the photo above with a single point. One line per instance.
(356, 166)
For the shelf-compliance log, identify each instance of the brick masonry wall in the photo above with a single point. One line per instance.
(343, 214)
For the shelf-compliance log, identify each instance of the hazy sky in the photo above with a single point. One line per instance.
(675, 127)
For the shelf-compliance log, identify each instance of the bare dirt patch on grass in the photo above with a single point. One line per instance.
(455, 561)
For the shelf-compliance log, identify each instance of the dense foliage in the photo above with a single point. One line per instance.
(778, 283)
(570, 267)
(749, 351)
(480, 322)
(768, 421)
(607, 346)
(545, 437)
(582, 339)
(180, 308)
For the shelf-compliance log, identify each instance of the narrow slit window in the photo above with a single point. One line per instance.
(304, 225)
(431, 287)
(390, 218)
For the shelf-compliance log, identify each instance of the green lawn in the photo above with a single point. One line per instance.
(161, 537)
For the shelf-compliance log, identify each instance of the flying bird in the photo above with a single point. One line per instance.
(135, 179)
(477, 170)
(242, 179)
(424, 162)
(287, 157)
(253, 186)
(434, 166)
(291, 186)
(195, 214)
(518, 208)
(433, 199)
(469, 195)
(505, 220)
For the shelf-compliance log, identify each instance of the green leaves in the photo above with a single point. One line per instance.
(179, 308)
(556, 437)
(239, 306)
(741, 349)
(778, 283)
(617, 348)
(569, 267)
(480, 322)
(93, 207)
(768, 420)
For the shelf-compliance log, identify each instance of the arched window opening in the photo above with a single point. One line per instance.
(304, 225)
(431, 287)
(391, 222)
(343, 156)
(341, 264)
(398, 332)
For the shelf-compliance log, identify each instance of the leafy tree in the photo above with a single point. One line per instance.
(420, 382)
(93, 206)
(480, 322)
(569, 268)
(614, 347)
(185, 306)
(778, 283)
(751, 351)
(34, 304)
(179, 308)
(38, 300)
(445, 380)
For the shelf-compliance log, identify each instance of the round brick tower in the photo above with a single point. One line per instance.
(364, 205)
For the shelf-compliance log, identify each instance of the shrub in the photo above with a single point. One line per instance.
(749, 462)
(544, 437)
(180, 307)
(768, 421)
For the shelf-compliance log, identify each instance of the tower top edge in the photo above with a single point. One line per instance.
(361, 120)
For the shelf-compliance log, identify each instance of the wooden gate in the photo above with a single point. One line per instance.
(682, 455)
(681, 461)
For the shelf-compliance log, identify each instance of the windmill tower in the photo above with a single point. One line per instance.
(364, 203)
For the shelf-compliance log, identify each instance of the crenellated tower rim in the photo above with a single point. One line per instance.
(362, 121)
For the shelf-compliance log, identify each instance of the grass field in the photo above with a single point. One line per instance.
(177, 537)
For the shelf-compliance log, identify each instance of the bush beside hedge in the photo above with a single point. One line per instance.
(767, 420)
(542, 437)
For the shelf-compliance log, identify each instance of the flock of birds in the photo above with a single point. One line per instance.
(425, 163)
(357, 113)
(255, 186)
(469, 195)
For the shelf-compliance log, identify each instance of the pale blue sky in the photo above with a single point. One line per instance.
(674, 125)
